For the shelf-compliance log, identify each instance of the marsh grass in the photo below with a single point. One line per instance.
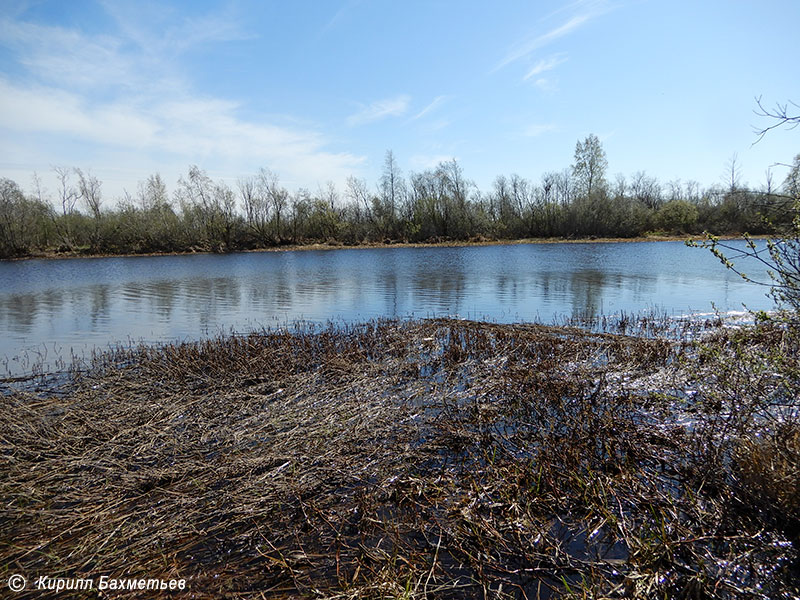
(413, 459)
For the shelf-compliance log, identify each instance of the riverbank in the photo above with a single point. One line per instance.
(389, 244)
(436, 458)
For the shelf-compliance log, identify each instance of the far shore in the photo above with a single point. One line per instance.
(335, 245)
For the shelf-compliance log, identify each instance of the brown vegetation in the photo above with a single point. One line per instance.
(411, 459)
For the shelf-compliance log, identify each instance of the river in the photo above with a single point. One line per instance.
(57, 308)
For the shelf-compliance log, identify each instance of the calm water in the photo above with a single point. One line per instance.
(63, 306)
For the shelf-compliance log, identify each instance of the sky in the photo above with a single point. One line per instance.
(319, 90)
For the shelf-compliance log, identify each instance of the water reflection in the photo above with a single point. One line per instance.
(585, 288)
(85, 303)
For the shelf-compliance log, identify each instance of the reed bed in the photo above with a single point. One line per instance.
(418, 459)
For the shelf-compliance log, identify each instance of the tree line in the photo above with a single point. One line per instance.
(434, 205)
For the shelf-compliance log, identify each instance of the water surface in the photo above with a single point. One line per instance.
(50, 307)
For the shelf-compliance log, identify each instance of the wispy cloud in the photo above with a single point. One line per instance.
(186, 129)
(51, 110)
(429, 161)
(545, 64)
(546, 85)
(160, 30)
(537, 130)
(340, 14)
(142, 57)
(598, 6)
(116, 94)
(435, 125)
(586, 11)
(436, 103)
(525, 48)
(66, 57)
(380, 109)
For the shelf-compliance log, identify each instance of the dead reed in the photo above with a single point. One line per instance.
(412, 459)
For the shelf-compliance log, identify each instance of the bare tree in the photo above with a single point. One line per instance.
(646, 190)
(39, 191)
(452, 191)
(359, 197)
(329, 195)
(620, 185)
(733, 174)
(692, 193)
(91, 195)
(153, 193)
(278, 198)
(67, 194)
(211, 206)
(89, 191)
(675, 190)
(392, 187)
(521, 194)
(256, 207)
(499, 198)
(226, 222)
(68, 197)
(552, 211)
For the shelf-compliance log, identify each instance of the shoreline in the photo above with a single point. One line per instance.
(53, 255)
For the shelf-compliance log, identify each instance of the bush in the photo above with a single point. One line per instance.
(677, 216)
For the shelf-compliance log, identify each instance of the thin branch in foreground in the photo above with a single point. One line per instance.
(780, 114)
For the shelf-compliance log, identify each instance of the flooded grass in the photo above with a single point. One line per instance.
(411, 459)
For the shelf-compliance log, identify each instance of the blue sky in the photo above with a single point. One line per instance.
(319, 90)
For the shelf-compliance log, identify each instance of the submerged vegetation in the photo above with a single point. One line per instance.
(411, 459)
(435, 205)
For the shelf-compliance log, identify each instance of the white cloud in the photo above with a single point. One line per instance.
(525, 48)
(67, 58)
(545, 64)
(187, 130)
(161, 31)
(595, 6)
(436, 103)
(545, 84)
(587, 10)
(380, 109)
(537, 130)
(119, 96)
(340, 14)
(435, 125)
(429, 161)
(51, 110)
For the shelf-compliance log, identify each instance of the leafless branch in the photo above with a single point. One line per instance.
(780, 115)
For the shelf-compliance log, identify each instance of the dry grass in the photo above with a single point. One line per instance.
(446, 459)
